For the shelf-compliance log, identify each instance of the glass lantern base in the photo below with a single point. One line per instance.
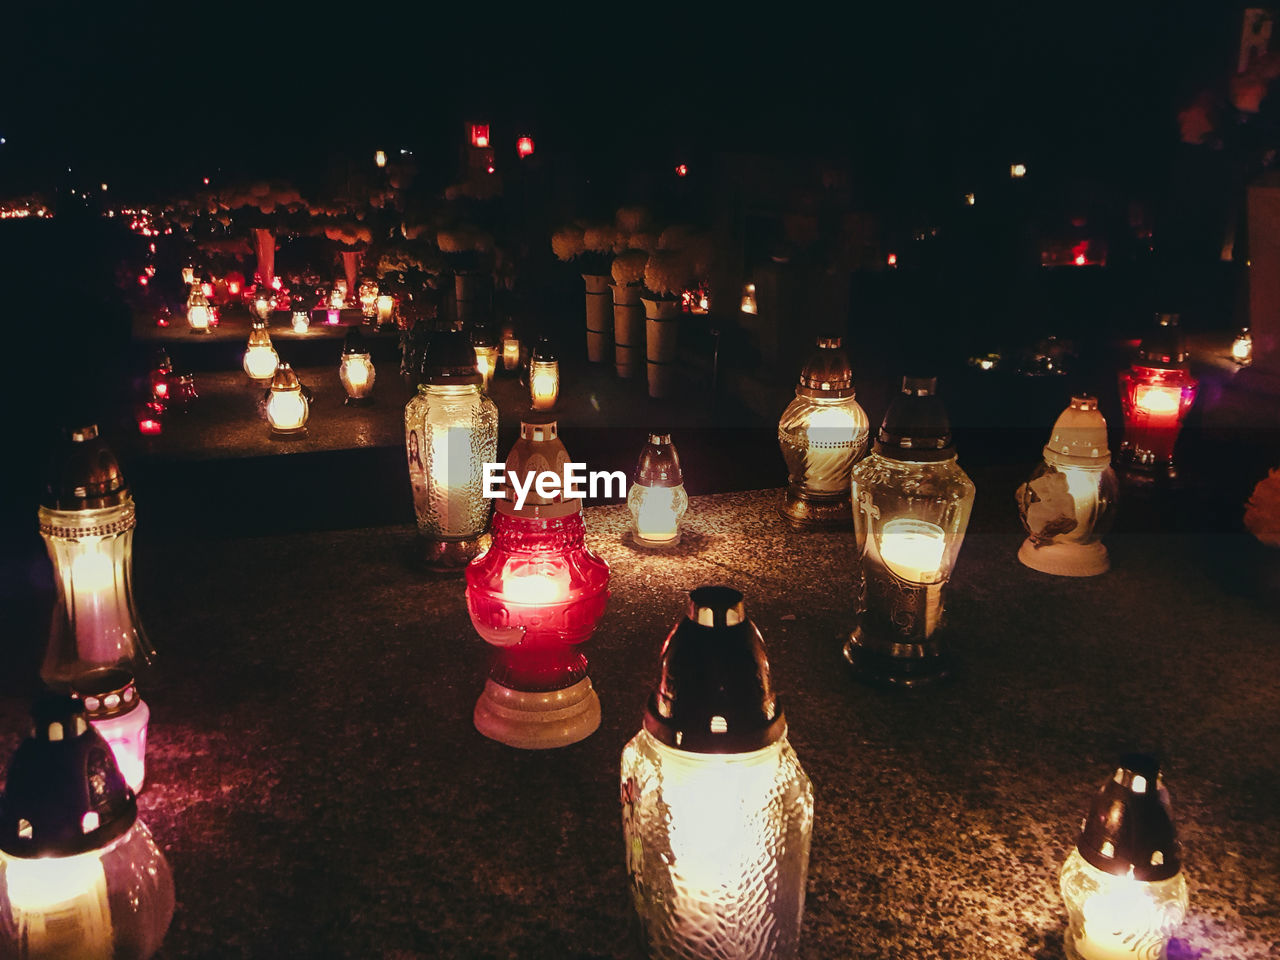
(538, 720)
(810, 513)
(298, 434)
(358, 402)
(897, 665)
(452, 556)
(640, 541)
(1065, 559)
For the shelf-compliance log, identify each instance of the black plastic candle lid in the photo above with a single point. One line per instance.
(916, 428)
(1130, 826)
(449, 359)
(85, 474)
(827, 372)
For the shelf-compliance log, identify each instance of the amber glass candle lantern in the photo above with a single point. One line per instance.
(80, 875)
(544, 377)
(260, 358)
(535, 595)
(1069, 502)
(657, 499)
(510, 351)
(822, 433)
(385, 306)
(356, 369)
(716, 809)
(450, 433)
(1123, 883)
(287, 405)
(911, 508)
(1155, 394)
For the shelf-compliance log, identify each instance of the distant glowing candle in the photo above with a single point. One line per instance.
(749, 298)
(544, 377)
(510, 352)
(386, 307)
(1155, 394)
(380, 158)
(1242, 348)
(198, 315)
(524, 147)
(356, 369)
(301, 321)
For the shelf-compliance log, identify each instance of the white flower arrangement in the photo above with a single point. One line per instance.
(464, 239)
(567, 243)
(629, 267)
(599, 238)
(666, 273)
(645, 240)
(348, 234)
(1262, 512)
(632, 219)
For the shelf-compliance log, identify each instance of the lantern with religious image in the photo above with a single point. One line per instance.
(1070, 500)
(161, 376)
(911, 505)
(544, 376)
(535, 595)
(486, 355)
(716, 810)
(450, 433)
(657, 499)
(80, 875)
(199, 313)
(264, 302)
(356, 369)
(1155, 393)
(260, 358)
(822, 433)
(1242, 348)
(367, 292)
(1123, 883)
(287, 405)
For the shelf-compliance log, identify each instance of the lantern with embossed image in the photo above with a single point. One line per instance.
(1123, 883)
(657, 499)
(535, 595)
(911, 507)
(717, 811)
(822, 433)
(80, 875)
(1069, 502)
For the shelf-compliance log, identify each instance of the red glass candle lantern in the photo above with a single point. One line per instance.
(1156, 393)
(524, 147)
(479, 134)
(161, 374)
(535, 594)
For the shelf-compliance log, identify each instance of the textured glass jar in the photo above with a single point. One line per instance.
(717, 812)
(822, 433)
(451, 432)
(657, 499)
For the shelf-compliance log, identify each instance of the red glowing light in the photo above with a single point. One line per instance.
(490, 168)
(162, 321)
(480, 135)
(149, 426)
(682, 170)
(893, 259)
(524, 147)
(142, 281)
(161, 390)
(206, 181)
(276, 283)
(153, 248)
(233, 287)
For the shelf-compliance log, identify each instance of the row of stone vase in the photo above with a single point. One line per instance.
(640, 330)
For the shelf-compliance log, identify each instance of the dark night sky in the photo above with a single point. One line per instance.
(145, 94)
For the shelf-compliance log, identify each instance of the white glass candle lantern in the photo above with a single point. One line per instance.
(356, 369)
(749, 298)
(120, 715)
(301, 321)
(87, 522)
(510, 352)
(822, 433)
(260, 359)
(450, 431)
(380, 158)
(544, 377)
(80, 875)
(911, 507)
(1242, 348)
(287, 406)
(486, 356)
(1069, 502)
(199, 313)
(189, 274)
(338, 295)
(657, 499)
(264, 303)
(386, 308)
(1123, 883)
(716, 810)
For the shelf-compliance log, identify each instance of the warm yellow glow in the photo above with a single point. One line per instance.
(544, 384)
(510, 353)
(1017, 170)
(1120, 923)
(1242, 348)
(92, 570)
(287, 410)
(357, 374)
(749, 298)
(969, 199)
(198, 316)
(260, 361)
(486, 363)
(535, 582)
(657, 519)
(831, 431)
(1082, 484)
(1151, 399)
(913, 549)
(386, 308)
(380, 158)
(337, 298)
(301, 321)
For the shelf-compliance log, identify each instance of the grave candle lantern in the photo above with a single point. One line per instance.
(264, 302)
(822, 433)
(657, 499)
(535, 595)
(198, 311)
(544, 377)
(911, 508)
(161, 376)
(368, 295)
(486, 356)
(301, 321)
(356, 369)
(80, 875)
(287, 407)
(450, 432)
(717, 812)
(260, 358)
(121, 716)
(1123, 883)
(510, 351)
(1155, 393)
(1242, 348)
(385, 304)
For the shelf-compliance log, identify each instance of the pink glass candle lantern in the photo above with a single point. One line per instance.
(1155, 395)
(120, 716)
(717, 812)
(1123, 883)
(332, 316)
(535, 595)
(80, 875)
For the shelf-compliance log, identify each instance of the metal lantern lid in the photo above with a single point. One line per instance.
(285, 379)
(659, 464)
(544, 352)
(64, 794)
(916, 428)
(258, 336)
(539, 449)
(1130, 824)
(827, 372)
(715, 695)
(449, 359)
(1079, 435)
(481, 336)
(354, 343)
(85, 474)
(1163, 347)
(106, 693)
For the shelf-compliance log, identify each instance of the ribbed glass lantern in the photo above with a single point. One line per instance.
(822, 433)
(260, 358)
(657, 499)
(911, 507)
(451, 432)
(287, 405)
(716, 810)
